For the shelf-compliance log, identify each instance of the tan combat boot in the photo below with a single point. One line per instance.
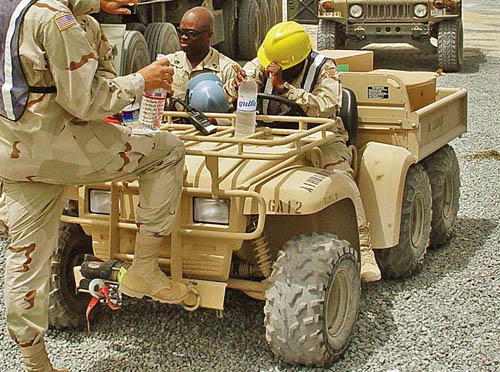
(144, 277)
(37, 360)
(369, 268)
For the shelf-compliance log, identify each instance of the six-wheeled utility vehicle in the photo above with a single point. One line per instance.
(261, 215)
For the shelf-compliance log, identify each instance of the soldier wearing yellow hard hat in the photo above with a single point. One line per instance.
(286, 65)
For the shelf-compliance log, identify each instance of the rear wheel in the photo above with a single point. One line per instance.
(229, 46)
(276, 7)
(66, 306)
(329, 35)
(408, 256)
(135, 53)
(265, 20)
(312, 300)
(136, 26)
(450, 45)
(444, 175)
(249, 22)
(161, 38)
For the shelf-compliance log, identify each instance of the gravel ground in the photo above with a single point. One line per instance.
(445, 318)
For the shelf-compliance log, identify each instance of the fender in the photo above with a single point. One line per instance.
(302, 190)
(381, 179)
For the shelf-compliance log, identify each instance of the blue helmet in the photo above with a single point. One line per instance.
(206, 93)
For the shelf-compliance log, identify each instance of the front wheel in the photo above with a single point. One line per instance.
(66, 306)
(407, 257)
(329, 35)
(313, 300)
(450, 45)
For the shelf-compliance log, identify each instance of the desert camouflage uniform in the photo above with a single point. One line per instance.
(215, 62)
(61, 140)
(324, 101)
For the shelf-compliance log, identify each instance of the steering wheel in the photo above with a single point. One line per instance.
(292, 109)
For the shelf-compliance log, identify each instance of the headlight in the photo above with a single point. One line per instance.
(100, 201)
(420, 10)
(356, 11)
(207, 210)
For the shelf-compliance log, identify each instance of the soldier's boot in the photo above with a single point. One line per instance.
(37, 360)
(370, 271)
(144, 277)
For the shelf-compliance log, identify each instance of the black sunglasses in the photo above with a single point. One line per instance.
(189, 33)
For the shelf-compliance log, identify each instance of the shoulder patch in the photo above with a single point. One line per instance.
(65, 21)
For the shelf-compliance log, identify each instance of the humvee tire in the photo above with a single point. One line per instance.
(313, 299)
(249, 22)
(328, 34)
(265, 19)
(444, 174)
(276, 11)
(407, 257)
(229, 46)
(135, 53)
(136, 26)
(66, 306)
(161, 38)
(450, 45)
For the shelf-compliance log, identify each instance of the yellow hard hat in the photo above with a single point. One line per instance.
(286, 43)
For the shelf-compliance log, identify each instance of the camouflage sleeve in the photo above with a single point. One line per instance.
(326, 96)
(100, 43)
(228, 74)
(260, 76)
(83, 7)
(74, 64)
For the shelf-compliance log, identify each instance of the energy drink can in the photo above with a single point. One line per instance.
(130, 115)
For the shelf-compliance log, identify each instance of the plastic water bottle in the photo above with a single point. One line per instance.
(246, 109)
(152, 106)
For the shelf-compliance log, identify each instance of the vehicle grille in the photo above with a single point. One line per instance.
(384, 11)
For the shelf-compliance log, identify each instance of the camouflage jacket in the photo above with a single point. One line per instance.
(322, 101)
(214, 62)
(65, 131)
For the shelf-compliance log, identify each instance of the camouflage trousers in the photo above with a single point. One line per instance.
(34, 210)
(338, 157)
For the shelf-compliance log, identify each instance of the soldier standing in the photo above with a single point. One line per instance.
(57, 83)
(287, 66)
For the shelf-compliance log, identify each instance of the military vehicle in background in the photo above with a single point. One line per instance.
(357, 23)
(240, 27)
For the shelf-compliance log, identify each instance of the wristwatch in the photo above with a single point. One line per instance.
(286, 88)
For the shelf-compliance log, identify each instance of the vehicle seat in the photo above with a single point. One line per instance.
(349, 115)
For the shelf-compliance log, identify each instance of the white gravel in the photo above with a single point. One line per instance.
(445, 318)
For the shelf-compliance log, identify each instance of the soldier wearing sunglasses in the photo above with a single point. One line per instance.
(197, 56)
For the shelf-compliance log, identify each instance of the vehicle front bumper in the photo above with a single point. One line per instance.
(388, 31)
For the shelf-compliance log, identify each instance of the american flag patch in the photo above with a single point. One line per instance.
(65, 21)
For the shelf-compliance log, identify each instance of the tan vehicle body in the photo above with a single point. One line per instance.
(282, 182)
(291, 227)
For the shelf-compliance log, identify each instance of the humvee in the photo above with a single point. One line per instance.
(362, 22)
(261, 215)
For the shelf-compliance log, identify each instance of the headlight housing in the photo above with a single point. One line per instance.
(356, 11)
(99, 201)
(215, 211)
(420, 10)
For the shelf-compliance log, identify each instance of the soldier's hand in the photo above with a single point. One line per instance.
(115, 6)
(240, 77)
(158, 75)
(275, 73)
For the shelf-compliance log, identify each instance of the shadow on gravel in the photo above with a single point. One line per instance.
(412, 59)
(149, 337)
